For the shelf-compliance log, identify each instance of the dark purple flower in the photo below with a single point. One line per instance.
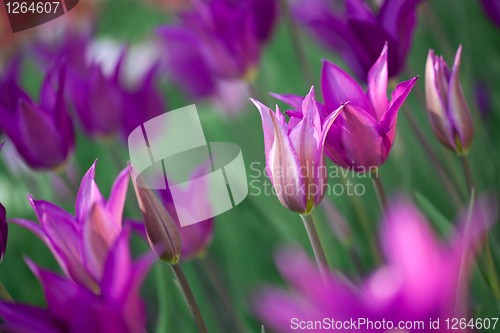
(74, 309)
(218, 39)
(422, 278)
(351, 28)
(482, 95)
(4, 228)
(81, 243)
(42, 132)
(492, 9)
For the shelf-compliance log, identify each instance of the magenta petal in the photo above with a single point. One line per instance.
(65, 299)
(4, 229)
(398, 96)
(268, 128)
(24, 318)
(118, 194)
(285, 167)
(88, 194)
(338, 87)
(458, 109)
(377, 85)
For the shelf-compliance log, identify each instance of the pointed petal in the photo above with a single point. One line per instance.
(398, 96)
(458, 109)
(377, 85)
(295, 101)
(118, 194)
(338, 87)
(24, 318)
(285, 168)
(267, 126)
(87, 195)
(436, 105)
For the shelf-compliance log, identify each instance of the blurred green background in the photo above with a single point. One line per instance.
(246, 236)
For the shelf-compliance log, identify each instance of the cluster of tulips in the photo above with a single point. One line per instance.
(103, 90)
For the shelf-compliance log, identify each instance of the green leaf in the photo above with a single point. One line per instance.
(440, 222)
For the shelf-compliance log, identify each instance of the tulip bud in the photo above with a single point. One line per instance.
(163, 235)
(448, 111)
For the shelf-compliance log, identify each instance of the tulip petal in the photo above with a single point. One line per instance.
(4, 229)
(88, 194)
(458, 109)
(295, 101)
(286, 170)
(377, 85)
(24, 318)
(436, 105)
(338, 87)
(117, 196)
(268, 128)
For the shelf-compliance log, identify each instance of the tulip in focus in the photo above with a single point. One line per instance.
(81, 243)
(358, 34)
(423, 278)
(362, 136)
(72, 308)
(448, 111)
(42, 132)
(295, 160)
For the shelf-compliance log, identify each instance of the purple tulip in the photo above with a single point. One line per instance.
(218, 39)
(419, 281)
(81, 243)
(359, 34)
(195, 238)
(448, 111)
(492, 8)
(71, 308)
(295, 160)
(362, 136)
(42, 132)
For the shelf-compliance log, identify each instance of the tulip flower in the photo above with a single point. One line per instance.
(362, 136)
(448, 111)
(161, 230)
(42, 132)
(492, 9)
(71, 308)
(420, 279)
(217, 39)
(358, 34)
(295, 161)
(81, 243)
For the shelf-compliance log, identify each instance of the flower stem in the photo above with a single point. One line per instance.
(379, 189)
(488, 257)
(297, 44)
(319, 253)
(4, 294)
(162, 324)
(189, 297)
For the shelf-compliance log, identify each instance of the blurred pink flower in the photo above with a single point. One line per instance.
(362, 136)
(295, 159)
(118, 307)
(419, 281)
(81, 243)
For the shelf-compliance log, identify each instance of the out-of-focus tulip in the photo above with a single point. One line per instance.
(492, 9)
(362, 136)
(42, 133)
(81, 243)
(218, 39)
(161, 230)
(352, 29)
(482, 96)
(295, 160)
(420, 279)
(448, 111)
(71, 308)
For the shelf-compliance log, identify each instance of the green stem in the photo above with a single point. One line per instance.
(162, 324)
(297, 44)
(469, 178)
(189, 297)
(205, 267)
(319, 253)
(438, 166)
(379, 189)
(4, 294)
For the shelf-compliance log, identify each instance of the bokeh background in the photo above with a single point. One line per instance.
(246, 236)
